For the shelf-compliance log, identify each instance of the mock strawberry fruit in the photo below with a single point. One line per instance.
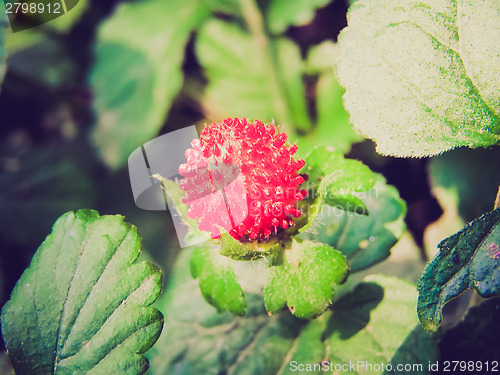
(241, 176)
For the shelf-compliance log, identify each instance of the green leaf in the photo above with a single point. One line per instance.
(281, 14)
(363, 239)
(137, 72)
(36, 187)
(377, 323)
(356, 330)
(218, 282)
(320, 162)
(420, 349)
(344, 175)
(422, 77)
(82, 305)
(248, 79)
(335, 181)
(332, 125)
(199, 340)
(468, 259)
(304, 279)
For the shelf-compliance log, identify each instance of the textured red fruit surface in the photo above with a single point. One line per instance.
(241, 176)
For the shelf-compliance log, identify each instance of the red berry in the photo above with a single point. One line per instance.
(268, 176)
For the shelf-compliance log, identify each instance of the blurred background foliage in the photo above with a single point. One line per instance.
(82, 92)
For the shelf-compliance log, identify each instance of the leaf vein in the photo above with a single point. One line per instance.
(54, 360)
(91, 289)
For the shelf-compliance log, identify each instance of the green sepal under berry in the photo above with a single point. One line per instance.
(336, 182)
(304, 279)
(468, 259)
(218, 281)
(234, 249)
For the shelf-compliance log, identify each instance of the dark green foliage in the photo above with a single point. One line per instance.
(468, 259)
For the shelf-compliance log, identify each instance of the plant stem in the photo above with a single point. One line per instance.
(255, 24)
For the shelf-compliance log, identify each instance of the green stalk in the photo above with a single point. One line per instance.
(255, 23)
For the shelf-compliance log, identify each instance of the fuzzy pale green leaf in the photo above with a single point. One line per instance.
(422, 77)
(218, 282)
(243, 76)
(468, 259)
(82, 307)
(137, 72)
(304, 279)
